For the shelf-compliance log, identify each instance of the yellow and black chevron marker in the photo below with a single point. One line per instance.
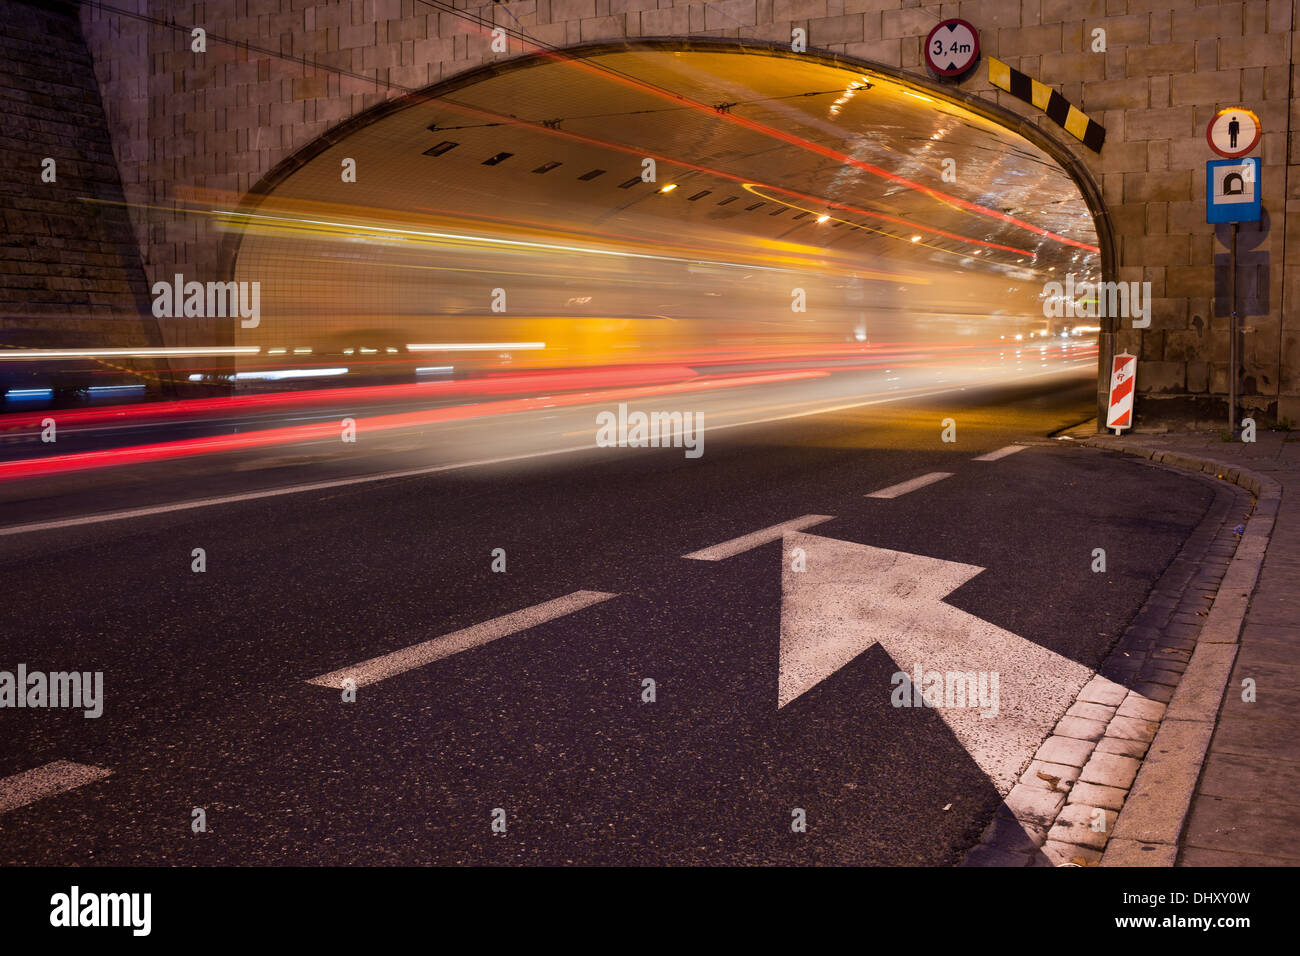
(1069, 117)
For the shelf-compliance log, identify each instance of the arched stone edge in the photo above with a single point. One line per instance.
(1073, 166)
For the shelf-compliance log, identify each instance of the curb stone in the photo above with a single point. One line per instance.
(1096, 801)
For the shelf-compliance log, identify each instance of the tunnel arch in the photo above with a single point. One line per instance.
(1075, 168)
(1065, 161)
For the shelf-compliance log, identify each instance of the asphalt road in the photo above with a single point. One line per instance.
(207, 702)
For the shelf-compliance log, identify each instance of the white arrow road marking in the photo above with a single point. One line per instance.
(744, 543)
(426, 652)
(1001, 453)
(853, 596)
(46, 781)
(894, 491)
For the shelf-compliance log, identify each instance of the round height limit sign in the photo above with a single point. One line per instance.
(952, 47)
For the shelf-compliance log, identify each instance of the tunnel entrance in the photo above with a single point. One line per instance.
(665, 201)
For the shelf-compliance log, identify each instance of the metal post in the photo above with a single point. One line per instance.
(1232, 332)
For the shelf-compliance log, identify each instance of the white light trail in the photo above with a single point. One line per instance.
(474, 346)
(39, 355)
(280, 374)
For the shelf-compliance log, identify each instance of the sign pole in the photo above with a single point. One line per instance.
(1233, 360)
(1232, 194)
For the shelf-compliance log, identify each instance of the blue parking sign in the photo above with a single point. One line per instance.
(1232, 190)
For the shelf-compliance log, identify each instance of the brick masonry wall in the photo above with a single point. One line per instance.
(70, 270)
(223, 119)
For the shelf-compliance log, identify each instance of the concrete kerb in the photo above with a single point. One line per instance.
(1151, 822)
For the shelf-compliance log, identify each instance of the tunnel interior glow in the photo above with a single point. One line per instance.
(797, 206)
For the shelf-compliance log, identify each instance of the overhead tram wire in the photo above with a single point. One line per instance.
(169, 24)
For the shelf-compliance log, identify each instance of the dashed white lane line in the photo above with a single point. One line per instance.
(426, 652)
(744, 543)
(895, 491)
(1001, 453)
(46, 781)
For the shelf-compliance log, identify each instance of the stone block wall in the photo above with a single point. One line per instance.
(223, 119)
(70, 267)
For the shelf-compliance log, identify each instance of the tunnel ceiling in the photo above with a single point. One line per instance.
(558, 143)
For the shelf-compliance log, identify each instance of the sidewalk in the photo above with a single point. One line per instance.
(1245, 809)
